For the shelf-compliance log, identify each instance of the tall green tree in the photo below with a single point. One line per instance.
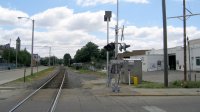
(53, 60)
(87, 53)
(24, 57)
(44, 61)
(103, 54)
(67, 59)
(9, 55)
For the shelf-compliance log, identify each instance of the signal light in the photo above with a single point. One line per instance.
(124, 46)
(110, 47)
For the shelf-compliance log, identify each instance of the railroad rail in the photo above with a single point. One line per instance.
(56, 97)
(53, 107)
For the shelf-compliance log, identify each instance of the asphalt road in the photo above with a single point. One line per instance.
(79, 99)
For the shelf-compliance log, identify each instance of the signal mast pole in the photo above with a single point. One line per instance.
(116, 31)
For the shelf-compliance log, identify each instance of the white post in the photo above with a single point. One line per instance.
(107, 51)
(129, 78)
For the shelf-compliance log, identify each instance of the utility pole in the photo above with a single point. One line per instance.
(165, 43)
(17, 49)
(49, 56)
(9, 54)
(33, 22)
(184, 35)
(116, 85)
(53, 60)
(116, 31)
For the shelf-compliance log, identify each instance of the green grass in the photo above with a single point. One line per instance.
(36, 76)
(147, 84)
(185, 84)
(174, 84)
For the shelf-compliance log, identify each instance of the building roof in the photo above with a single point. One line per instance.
(195, 41)
(6, 46)
(133, 53)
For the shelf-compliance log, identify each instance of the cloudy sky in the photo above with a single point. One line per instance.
(67, 25)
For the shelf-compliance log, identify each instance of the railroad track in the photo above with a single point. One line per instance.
(45, 98)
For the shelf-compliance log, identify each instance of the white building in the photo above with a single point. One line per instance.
(153, 59)
(195, 54)
(150, 62)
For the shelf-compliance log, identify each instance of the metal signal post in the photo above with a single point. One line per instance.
(107, 16)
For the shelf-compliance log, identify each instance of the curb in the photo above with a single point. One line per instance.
(7, 88)
(152, 95)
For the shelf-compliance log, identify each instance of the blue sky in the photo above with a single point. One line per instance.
(134, 13)
(81, 21)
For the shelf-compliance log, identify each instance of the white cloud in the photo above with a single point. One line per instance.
(87, 21)
(95, 2)
(52, 17)
(138, 1)
(9, 16)
(67, 31)
(56, 27)
(152, 37)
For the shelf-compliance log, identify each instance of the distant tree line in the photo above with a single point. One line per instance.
(90, 53)
(23, 57)
(53, 61)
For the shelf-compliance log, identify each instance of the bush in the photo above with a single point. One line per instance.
(185, 84)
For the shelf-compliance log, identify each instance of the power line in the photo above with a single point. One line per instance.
(184, 33)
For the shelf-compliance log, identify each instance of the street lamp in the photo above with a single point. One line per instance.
(32, 40)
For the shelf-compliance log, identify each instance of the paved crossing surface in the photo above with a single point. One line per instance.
(153, 109)
(81, 100)
(91, 98)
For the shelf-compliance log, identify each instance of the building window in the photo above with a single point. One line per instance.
(177, 62)
(159, 63)
(198, 61)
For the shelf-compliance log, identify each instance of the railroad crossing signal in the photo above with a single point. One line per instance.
(124, 46)
(110, 47)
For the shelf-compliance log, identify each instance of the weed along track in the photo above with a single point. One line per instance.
(45, 98)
